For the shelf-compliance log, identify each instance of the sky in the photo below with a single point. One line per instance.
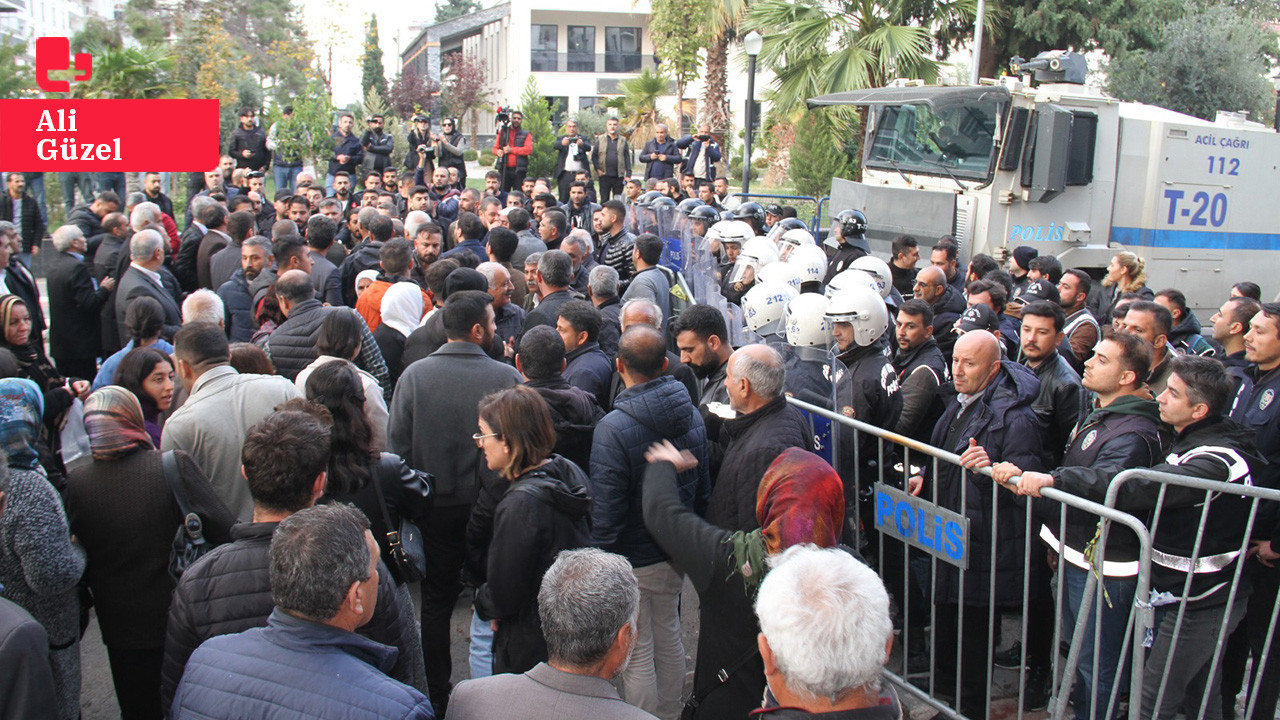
(406, 19)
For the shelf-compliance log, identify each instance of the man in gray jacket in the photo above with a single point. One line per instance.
(588, 603)
(432, 417)
(650, 281)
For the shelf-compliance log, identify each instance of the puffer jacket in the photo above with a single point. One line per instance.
(543, 513)
(229, 591)
(1059, 404)
(1185, 337)
(574, 413)
(755, 441)
(303, 659)
(364, 256)
(1001, 421)
(642, 415)
(292, 346)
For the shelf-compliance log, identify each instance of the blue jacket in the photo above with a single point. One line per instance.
(238, 303)
(695, 146)
(589, 368)
(642, 415)
(295, 668)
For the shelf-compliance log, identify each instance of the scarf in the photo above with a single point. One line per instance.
(402, 307)
(21, 407)
(32, 362)
(114, 421)
(800, 501)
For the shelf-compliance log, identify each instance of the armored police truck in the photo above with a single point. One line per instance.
(1069, 171)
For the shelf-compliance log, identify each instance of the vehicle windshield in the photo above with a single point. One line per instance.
(954, 141)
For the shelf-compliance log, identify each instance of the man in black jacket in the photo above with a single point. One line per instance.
(229, 590)
(555, 272)
(75, 302)
(1058, 403)
(18, 279)
(659, 155)
(921, 369)
(22, 210)
(573, 411)
(151, 188)
(1122, 431)
(249, 143)
(347, 152)
(573, 155)
(377, 143)
(946, 302)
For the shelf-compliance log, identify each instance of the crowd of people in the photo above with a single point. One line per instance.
(243, 435)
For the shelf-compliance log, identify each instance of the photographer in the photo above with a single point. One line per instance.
(377, 144)
(420, 151)
(513, 146)
(703, 155)
(573, 156)
(450, 146)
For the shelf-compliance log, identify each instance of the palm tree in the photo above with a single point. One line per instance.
(638, 104)
(721, 24)
(130, 73)
(816, 47)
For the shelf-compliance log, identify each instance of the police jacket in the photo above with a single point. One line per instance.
(866, 390)
(842, 259)
(1256, 407)
(1215, 448)
(643, 415)
(921, 372)
(229, 591)
(755, 441)
(378, 144)
(1125, 434)
(1058, 403)
(1001, 420)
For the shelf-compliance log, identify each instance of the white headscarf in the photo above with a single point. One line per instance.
(402, 307)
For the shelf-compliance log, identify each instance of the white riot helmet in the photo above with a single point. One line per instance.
(807, 323)
(853, 277)
(863, 308)
(735, 231)
(793, 239)
(765, 307)
(780, 272)
(811, 261)
(755, 254)
(878, 268)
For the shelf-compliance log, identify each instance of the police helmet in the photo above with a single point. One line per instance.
(853, 277)
(880, 269)
(792, 239)
(750, 212)
(647, 199)
(764, 306)
(756, 253)
(687, 205)
(780, 272)
(853, 224)
(730, 231)
(811, 261)
(705, 213)
(661, 201)
(783, 225)
(806, 322)
(863, 308)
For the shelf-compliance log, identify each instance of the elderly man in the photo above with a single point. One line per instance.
(578, 245)
(75, 300)
(991, 417)
(764, 426)
(508, 317)
(703, 154)
(588, 604)
(602, 291)
(146, 253)
(203, 306)
(553, 276)
(659, 155)
(325, 583)
(653, 408)
(946, 302)
(824, 598)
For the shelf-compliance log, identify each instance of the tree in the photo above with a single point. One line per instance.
(16, 79)
(450, 9)
(537, 120)
(638, 104)
(678, 38)
(307, 133)
(815, 47)
(413, 92)
(1211, 59)
(814, 158)
(720, 24)
(371, 70)
(131, 73)
(466, 89)
(148, 21)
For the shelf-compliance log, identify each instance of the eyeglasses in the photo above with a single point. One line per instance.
(446, 124)
(481, 436)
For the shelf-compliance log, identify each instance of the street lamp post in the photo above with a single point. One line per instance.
(752, 42)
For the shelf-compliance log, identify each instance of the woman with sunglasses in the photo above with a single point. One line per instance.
(450, 148)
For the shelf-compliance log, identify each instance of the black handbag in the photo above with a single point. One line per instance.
(404, 541)
(189, 543)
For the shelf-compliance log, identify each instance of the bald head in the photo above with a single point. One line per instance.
(642, 354)
(931, 283)
(641, 312)
(975, 361)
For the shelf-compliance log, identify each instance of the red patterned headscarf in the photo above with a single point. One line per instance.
(800, 501)
(113, 419)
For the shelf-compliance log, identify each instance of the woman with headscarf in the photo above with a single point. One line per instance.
(800, 501)
(59, 392)
(402, 309)
(122, 510)
(40, 567)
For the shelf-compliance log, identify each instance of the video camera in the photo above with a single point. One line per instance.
(503, 115)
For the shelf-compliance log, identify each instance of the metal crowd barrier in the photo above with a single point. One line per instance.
(814, 225)
(907, 516)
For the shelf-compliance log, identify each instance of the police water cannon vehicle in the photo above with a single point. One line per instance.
(1070, 171)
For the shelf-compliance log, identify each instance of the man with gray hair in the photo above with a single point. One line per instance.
(764, 426)
(578, 244)
(146, 255)
(144, 214)
(203, 306)
(602, 291)
(824, 598)
(507, 315)
(588, 604)
(555, 272)
(75, 302)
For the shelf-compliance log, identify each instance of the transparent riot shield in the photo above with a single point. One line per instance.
(674, 248)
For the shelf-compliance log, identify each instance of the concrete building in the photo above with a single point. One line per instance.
(26, 20)
(578, 56)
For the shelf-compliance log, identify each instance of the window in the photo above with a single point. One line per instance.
(582, 48)
(559, 109)
(588, 102)
(953, 141)
(543, 55)
(621, 49)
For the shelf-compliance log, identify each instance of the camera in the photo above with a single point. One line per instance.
(503, 115)
(421, 118)
(254, 174)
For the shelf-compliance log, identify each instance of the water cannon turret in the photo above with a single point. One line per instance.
(1053, 66)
